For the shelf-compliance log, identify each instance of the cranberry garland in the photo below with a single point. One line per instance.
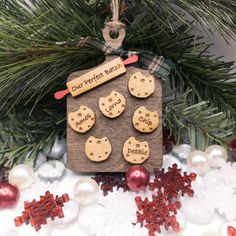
(161, 210)
(108, 181)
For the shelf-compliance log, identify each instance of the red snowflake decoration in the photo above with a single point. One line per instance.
(37, 212)
(162, 209)
(109, 181)
(231, 231)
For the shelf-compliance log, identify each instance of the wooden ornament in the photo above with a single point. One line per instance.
(117, 130)
(81, 120)
(112, 105)
(141, 86)
(144, 120)
(135, 151)
(97, 149)
(79, 84)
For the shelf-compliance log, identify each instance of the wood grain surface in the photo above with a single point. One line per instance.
(118, 130)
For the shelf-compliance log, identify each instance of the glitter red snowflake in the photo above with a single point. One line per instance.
(161, 210)
(37, 212)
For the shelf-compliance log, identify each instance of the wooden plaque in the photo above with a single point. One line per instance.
(117, 130)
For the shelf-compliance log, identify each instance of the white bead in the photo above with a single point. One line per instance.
(86, 191)
(51, 171)
(169, 160)
(182, 152)
(57, 150)
(91, 219)
(197, 210)
(22, 176)
(216, 154)
(224, 226)
(198, 162)
(71, 212)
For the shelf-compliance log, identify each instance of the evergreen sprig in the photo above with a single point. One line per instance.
(34, 63)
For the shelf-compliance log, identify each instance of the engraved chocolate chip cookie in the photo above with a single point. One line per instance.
(144, 120)
(112, 105)
(135, 151)
(81, 120)
(97, 149)
(141, 86)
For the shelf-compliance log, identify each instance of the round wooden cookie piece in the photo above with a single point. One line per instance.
(135, 151)
(141, 86)
(81, 120)
(112, 105)
(144, 120)
(97, 149)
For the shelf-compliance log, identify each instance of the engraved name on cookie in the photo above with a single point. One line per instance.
(81, 120)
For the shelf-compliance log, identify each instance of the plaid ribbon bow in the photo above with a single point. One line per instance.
(157, 65)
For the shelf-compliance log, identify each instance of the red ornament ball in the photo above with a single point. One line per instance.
(137, 178)
(9, 195)
(233, 147)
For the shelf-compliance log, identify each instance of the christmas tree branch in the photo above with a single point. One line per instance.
(34, 64)
(204, 122)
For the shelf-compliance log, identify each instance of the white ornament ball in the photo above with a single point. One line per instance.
(198, 162)
(169, 160)
(197, 210)
(91, 219)
(71, 212)
(51, 171)
(22, 176)
(216, 154)
(57, 150)
(86, 191)
(182, 152)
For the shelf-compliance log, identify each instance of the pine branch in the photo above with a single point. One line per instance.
(23, 136)
(214, 15)
(205, 123)
(33, 65)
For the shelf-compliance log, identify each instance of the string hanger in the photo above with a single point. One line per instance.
(114, 31)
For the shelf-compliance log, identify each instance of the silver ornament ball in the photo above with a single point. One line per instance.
(216, 154)
(57, 150)
(40, 159)
(86, 191)
(22, 176)
(198, 162)
(51, 171)
(182, 152)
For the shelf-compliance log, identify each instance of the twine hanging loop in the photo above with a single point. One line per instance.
(114, 31)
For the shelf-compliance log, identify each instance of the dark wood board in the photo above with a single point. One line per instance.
(117, 130)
